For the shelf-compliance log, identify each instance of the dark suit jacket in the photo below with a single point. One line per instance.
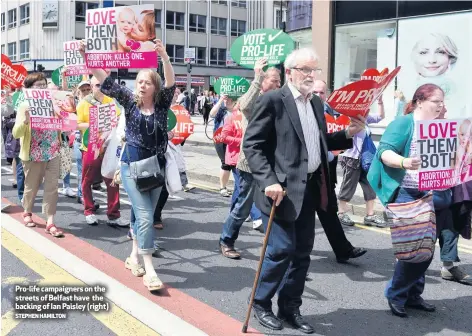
(276, 152)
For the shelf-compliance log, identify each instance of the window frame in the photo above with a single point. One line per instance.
(26, 54)
(218, 61)
(239, 3)
(3, 21)
(158, 18)
(25, 8)
(218, 31)
(12, 24)
(172, 56)
(196, 28)
(237, 33)
(3, 49)
(174, 26)
(220, 2)
(86, 5)
(10, 56)
(199, 61)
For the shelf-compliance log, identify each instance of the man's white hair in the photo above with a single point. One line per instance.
(300, 54)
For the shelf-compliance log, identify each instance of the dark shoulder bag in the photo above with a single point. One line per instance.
(147, 173)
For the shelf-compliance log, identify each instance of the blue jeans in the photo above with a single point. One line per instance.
(242, 207)
(78, 160)
(20, 178)
(254, 212)
(144, 205)
(66, 181)
(408, 281)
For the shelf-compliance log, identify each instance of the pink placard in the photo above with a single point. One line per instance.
(74, 62)
(120, 37)
(445, 150)
(44, 105)
(102, 120)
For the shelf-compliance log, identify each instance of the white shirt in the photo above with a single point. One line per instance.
(311, 130)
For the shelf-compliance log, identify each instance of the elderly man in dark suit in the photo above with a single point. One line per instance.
(286, 145)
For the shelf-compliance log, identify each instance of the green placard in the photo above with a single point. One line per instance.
(17, 98)
(273, 44)
(232, 86)
(171, 120)
(85, 137)
(71, 80)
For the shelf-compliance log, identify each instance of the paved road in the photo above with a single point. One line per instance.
(338, 299)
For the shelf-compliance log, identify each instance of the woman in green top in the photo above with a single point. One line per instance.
(394, 177)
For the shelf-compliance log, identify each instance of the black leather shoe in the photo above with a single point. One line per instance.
(422, 305)
(267, 319)
(356, 252)
(296, 320)
(397, 310)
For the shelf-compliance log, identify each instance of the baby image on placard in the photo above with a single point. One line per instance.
(121, 37)
(463, 158)
(136, 29)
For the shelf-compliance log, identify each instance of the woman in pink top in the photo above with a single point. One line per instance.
(232, 135)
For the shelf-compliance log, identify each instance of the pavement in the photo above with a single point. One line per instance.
(205, 293)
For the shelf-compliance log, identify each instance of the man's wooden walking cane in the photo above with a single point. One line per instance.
(256, 279)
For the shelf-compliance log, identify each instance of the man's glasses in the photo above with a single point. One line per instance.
(309, 71)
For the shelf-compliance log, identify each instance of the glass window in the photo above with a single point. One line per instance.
(24, 49)
(218, 26)
(299, 14)
(81, 7)
(217, 56)
(176, 53)
(24, 14)
(3, 21)
(280, 16)
(197, 23)
(158, 18)
(3, 49)
(175, 20)
(220, 2)
(12, 51)
(361, 11)
(200, 54)
(364, 46)
(238, 27)
(238, 3)
(12, 19)
(414, 8)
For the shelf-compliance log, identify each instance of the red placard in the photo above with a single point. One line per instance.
(336, 125)
(12, 75)
(356, 98)
(374, 74)
(184, 127)
(217, 136)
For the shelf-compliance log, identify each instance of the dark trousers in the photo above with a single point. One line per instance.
(407, 283)
(334, 232)
(163, 196)
(288, 255)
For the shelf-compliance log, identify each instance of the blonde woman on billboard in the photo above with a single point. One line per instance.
(434, 54)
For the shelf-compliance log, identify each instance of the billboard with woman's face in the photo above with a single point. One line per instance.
(438, 50)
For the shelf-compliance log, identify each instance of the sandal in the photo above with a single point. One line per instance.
(28, 222)
(54, 231)
(158, 225)
(229, 252)
(136, 268)
(152, 283)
